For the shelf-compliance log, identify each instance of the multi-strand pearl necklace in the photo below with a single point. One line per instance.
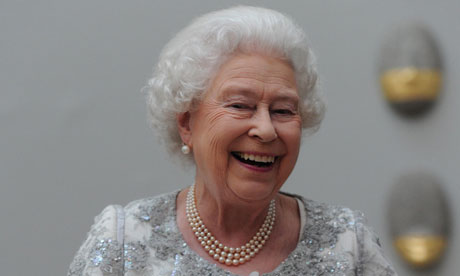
(221, 253)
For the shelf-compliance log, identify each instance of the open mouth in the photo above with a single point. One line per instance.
(255, 160)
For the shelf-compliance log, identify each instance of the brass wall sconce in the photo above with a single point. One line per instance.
(410, 69)
(419, 219)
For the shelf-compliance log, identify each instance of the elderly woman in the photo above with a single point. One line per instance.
(232, 94)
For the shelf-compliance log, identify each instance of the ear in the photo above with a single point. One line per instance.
(183, 125)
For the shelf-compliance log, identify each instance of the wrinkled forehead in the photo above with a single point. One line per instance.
(246, 70)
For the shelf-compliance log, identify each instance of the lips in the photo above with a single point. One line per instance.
(255, 159)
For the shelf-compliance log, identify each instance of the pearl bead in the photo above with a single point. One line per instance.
(185, 149)
(221, 260)
(216, 256)
(228, 262)
(235, 262)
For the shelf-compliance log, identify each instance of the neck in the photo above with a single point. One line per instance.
(232, 221)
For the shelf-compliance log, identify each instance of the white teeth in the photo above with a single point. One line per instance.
(257, 158)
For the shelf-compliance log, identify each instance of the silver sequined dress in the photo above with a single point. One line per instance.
(143, 239)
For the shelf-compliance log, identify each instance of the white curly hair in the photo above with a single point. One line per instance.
(189, 62)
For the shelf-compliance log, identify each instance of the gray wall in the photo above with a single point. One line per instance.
(74, 136)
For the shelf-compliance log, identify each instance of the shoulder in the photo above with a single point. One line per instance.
(151, 236)
(152, 209)
(114, 240)
(341, 236)
(341, 215)
(320, 213)
(101, 251)
(335, 224)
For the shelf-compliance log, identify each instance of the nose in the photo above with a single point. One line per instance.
(262, 127)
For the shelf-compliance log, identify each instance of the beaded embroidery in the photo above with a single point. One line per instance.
(334, 241)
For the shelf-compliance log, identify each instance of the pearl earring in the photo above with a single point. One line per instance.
(185, 149)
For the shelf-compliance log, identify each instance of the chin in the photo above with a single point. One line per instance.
(253, 191)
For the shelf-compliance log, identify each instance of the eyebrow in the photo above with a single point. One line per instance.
(247, 91)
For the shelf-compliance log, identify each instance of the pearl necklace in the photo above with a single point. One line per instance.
(221, 253)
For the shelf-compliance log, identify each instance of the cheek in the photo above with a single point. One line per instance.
(217, 124)
(212, 136)
(223, 125)
(291, 134)
(294, 145)
(291, 129)
(216, 136)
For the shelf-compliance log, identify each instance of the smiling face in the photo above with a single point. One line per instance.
(245, 133)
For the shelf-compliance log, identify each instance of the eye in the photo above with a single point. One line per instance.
(283, 112)
(239, 106)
